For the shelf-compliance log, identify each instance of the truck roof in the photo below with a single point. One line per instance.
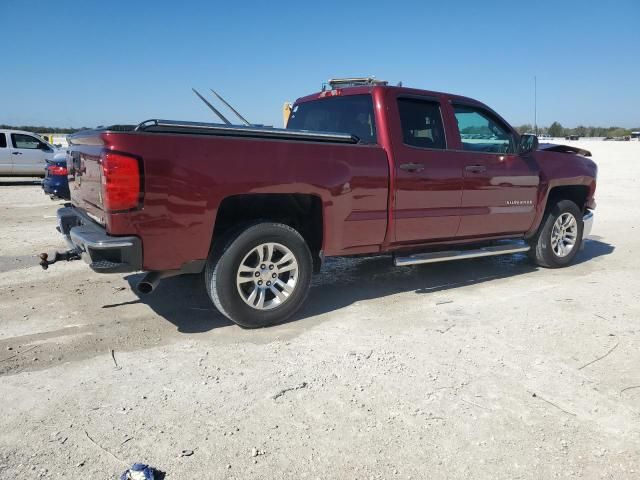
(10, 130)
(367, 89)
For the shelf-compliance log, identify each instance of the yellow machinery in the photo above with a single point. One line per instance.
(286, 113)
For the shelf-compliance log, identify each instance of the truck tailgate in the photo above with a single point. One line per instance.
(83, 162)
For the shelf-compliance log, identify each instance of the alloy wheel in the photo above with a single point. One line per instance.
(267, 276)
(564, 234)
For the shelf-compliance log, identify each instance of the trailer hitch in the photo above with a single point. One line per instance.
(69, 255)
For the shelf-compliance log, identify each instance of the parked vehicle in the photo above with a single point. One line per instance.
(23, 154)
(55, 183)
(423, 176)
(624, 138)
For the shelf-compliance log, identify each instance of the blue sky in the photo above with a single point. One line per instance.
(85, 63)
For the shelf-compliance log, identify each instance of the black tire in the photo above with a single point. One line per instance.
(542, 252)
(224, 262)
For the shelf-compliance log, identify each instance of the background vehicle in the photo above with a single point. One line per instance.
(23, 153)
(55, 181)
(424, 176)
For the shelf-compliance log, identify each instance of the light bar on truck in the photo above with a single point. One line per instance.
(354, 82)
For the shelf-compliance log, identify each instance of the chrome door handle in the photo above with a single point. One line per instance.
(475, 168)
(412, 167)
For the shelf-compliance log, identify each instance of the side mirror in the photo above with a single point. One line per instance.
(44, 147)
(528, 144)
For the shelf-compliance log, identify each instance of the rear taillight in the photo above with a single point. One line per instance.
(120, 182)
(57, 170)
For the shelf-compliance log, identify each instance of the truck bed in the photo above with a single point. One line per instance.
(189, 168)
(197, 128)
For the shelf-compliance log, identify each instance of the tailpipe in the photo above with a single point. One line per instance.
(150, 281)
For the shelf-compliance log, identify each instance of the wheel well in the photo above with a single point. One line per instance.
(576, 193)
(300, 211)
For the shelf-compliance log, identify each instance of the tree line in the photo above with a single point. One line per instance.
(41, 129)
(557, 130)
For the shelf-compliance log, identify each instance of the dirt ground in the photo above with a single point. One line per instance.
(483, 369)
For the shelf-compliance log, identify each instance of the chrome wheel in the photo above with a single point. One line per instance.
(564, 234)
(267, 276)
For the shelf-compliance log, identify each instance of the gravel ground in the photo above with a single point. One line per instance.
(483, 369)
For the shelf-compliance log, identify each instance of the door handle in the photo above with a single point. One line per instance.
(475, 168)
(412, 167)
(16, 153)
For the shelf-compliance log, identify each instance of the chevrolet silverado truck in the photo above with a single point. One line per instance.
(362, 168)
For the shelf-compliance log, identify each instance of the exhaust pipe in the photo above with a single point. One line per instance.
(151, 280)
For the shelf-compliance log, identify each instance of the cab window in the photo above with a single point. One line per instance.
(3, 140)
(481, 132)
(25, 141)
(351, 114)
(421, 123)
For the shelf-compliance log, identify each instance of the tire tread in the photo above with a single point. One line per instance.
(541, 253)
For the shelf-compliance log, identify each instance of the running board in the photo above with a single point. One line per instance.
(433, 257)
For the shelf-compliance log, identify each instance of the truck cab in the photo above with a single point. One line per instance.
(458, 171)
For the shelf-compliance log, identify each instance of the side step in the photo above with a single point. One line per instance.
(433, 257)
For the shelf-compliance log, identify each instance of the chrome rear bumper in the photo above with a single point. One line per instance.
(103, 252)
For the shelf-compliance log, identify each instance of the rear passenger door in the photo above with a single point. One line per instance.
(6, 162)
(428, 177)
(29, 154)
(500, 186)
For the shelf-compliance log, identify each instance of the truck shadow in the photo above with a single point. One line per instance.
(346, 281)
(184, 302)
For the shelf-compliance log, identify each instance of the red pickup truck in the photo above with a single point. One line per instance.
(360, 170)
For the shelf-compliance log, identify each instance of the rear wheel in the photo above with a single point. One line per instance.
(560, 235)
(260, 276)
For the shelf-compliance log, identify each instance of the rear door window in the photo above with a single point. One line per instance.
(421, 123)
(481, 132)
(351, 114)
(3, 140)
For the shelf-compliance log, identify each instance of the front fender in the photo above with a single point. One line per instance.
(558, 170)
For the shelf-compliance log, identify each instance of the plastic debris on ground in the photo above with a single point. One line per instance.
(138, 471)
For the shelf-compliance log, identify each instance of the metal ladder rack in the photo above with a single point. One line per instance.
(353, 82)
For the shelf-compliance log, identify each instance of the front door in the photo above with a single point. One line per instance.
(428, 178)
(500, 187)
(29, 154)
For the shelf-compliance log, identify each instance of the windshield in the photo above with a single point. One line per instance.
(46, 142)
(352, 114)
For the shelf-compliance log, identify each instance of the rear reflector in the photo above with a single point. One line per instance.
(57, 170)
(120, 182)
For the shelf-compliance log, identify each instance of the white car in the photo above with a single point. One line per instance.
(23, 154)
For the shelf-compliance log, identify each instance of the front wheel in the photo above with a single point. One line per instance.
(260, 276)
(560, 235)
